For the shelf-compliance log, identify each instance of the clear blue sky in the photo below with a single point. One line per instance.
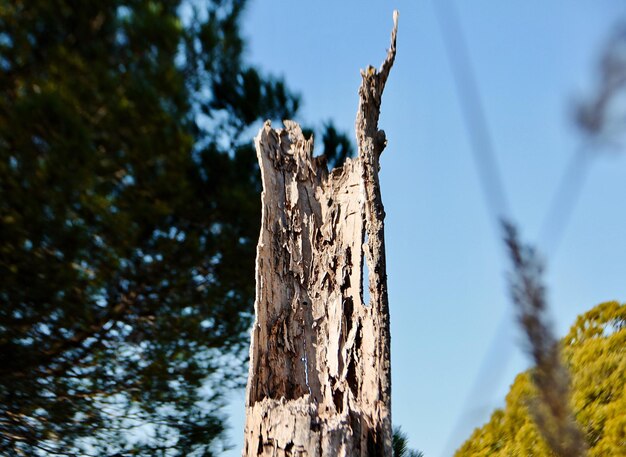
(455, 345)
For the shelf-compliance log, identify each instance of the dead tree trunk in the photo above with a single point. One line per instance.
(319, 382)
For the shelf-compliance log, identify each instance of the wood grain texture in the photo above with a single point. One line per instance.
(319, 382)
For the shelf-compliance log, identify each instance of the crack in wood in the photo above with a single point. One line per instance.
(319, 381)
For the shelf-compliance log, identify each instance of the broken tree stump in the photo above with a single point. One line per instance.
(320, 380)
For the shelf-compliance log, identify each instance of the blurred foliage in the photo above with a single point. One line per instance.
(129, 209)
(400, 445)
(595, 353)
(550, 405)
(336, 147)
(600, 115)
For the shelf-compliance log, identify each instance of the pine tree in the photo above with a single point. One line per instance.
(129, 209)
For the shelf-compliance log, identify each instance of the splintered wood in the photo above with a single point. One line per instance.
(319, 382)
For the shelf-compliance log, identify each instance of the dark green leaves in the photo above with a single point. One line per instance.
(129, 213)
(400, 445)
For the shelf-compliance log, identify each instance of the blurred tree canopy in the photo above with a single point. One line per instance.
(595, 353)
(129, 213)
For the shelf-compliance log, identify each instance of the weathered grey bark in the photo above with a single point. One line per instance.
(319, 382)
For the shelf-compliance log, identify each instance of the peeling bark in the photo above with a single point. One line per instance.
(319, 382)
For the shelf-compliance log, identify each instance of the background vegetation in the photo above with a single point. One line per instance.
(129, 212)
(594, 351)
(129, 209)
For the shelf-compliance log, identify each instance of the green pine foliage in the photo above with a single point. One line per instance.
(595, 353)
(400, 445)
(129, 214)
